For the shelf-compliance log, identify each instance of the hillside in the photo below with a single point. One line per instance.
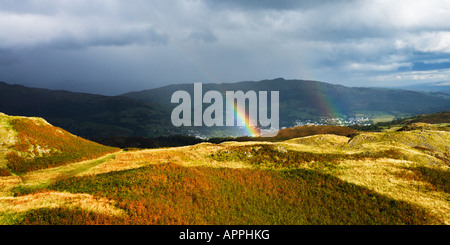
(87, 115)
(29, 144)
(442, 87)
(302, 101)
(147, 113)
(308, 130)
(437, 120)
(398, 177)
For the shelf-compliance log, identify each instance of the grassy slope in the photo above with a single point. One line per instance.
(30, 144)
(40, 150)
(172, 194)
(35, 144)
(302, 131)
(8, 140)
(439, 120)
(324, 179)
(372, 178)
(436, 118)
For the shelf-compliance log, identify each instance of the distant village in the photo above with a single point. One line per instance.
(364, 121)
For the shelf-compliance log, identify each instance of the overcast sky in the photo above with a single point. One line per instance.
(114, 46)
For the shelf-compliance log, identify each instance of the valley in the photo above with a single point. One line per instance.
(147, 113)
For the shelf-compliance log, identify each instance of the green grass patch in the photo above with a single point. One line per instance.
(63, 172)
(171, 194)
(383, 118)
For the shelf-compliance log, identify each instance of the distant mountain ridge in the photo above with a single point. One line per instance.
(87, 115)
(306, 100)
(443, 87)
(147, 113)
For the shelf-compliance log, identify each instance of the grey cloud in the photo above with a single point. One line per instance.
(53, 7)
(129, 37)
(269, 4)
(144, 36)
(160, 41)
(28, 7)
(75, 24)
(202, 36)
(7, 57)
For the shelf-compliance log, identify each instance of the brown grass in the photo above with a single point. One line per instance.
(7, 138)
(17, 206)
(189, 156)
(395, 175)
(40, 145)
(386, 176)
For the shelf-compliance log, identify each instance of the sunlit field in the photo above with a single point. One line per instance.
(371, 178)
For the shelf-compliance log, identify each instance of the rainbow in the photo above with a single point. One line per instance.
(327, 104)
(243, 117)
(322, 99)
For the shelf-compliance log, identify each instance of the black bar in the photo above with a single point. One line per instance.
(248, 234)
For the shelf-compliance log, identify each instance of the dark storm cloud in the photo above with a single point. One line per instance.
(268, 4)
(7, 58)
(129, 45)
(114, 38)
